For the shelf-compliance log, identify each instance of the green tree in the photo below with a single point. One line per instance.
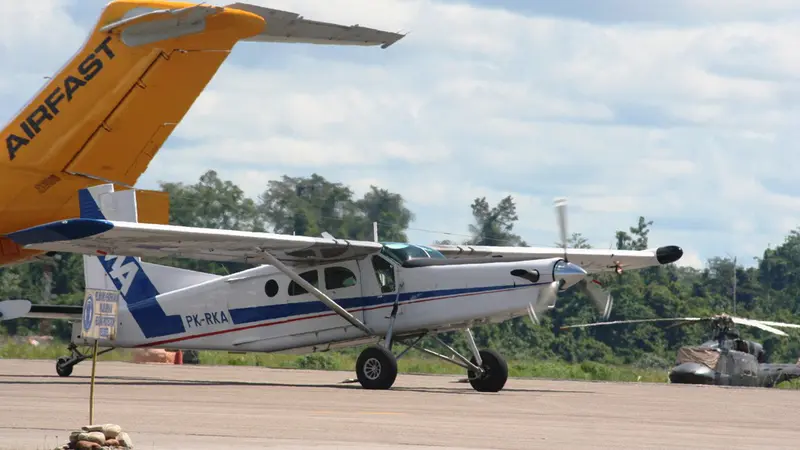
(494, 225)
(212, 203)
(386, 208)
(309, 207)
(636, 237)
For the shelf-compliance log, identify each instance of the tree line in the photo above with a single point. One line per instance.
(313, 205)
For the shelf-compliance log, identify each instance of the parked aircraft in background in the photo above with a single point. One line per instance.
(108, 110)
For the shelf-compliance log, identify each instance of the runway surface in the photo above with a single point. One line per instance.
(202, 407)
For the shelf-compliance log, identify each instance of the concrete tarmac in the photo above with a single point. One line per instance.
(204, 407)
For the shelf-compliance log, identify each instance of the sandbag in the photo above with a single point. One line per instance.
(111, 431)
(125, 440)
(98, 436)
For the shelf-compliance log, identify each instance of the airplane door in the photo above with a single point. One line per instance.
(378, 278)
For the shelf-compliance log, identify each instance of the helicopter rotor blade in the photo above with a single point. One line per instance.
(602, 299)
(561, 216)
(777, 324)
(620, 322)
(758, 324)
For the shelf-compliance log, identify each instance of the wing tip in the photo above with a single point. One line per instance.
(62, 230)
(668, 254)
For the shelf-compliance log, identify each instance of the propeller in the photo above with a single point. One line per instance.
(602, 300)
(561, 217)
(14, 309)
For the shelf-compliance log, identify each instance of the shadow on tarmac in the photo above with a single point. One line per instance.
(78, 380)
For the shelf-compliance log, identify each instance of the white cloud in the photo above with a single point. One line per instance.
(693, 260)
(683, 124)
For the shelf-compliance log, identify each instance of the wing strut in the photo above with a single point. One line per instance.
(317, 293)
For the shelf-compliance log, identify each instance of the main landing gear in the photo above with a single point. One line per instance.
(487, 371)
(65, 364)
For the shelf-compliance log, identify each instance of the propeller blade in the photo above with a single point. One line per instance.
(546, 299)
(758, 324)
(14, 309)
(603, 301)
(619, 322)
(561, 215)
(532, 314)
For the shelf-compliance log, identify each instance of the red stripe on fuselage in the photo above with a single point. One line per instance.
(317, 316)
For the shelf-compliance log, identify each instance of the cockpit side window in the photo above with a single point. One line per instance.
(311, 276)
(339, 277)
(384, 272)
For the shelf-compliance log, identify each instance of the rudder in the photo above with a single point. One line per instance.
(138, 283)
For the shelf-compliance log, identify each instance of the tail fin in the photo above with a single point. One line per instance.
(138, 283)
(142, 66)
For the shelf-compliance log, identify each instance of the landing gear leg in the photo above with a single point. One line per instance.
(65, 364)
(495, 369)
(376, 367)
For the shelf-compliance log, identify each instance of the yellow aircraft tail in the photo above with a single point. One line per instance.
(108, 110)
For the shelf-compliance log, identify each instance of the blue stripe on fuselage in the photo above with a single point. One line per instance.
(252, 314)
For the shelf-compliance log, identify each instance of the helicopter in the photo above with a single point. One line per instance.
(726, 359)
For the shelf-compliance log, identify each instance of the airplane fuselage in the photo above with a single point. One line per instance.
(263, 310)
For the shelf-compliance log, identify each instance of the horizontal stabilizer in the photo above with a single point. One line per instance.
(14, 309)
(157, 25)
(17, 309)
(69, 312)
(284, 26)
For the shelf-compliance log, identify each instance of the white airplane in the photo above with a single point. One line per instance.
(311, 294)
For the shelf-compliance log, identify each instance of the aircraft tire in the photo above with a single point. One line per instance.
(62, 369)
(496, 373)
(376, 368)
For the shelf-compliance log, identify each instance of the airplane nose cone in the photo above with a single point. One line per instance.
(668, 254)
(691, 373)
(569, 272)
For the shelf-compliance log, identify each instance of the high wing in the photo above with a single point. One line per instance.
(289, 27)
(592, 260)
(97, 236)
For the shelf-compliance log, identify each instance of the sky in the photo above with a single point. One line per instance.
(681, 111)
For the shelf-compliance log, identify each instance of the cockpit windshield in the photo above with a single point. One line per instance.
(403, 252)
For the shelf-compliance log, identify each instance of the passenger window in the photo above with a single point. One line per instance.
(339, 277)
(384, 272)
(311, 276)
